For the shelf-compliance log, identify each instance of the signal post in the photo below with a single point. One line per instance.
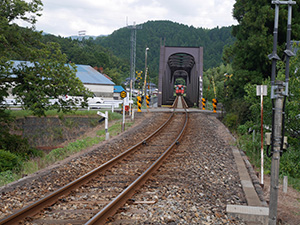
(123, 95)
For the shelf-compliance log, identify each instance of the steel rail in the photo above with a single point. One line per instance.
(120, 200)
(184, 103)
(174, 105)
(37, 206)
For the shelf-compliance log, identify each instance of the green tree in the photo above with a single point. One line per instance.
(215, 83)
(254, 40)
(45, 74)
(289, 163)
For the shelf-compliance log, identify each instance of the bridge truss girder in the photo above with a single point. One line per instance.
(180, 62)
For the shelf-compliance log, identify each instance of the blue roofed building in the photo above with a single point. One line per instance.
(117, 92)
(95, 81)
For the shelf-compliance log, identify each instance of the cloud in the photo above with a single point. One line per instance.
(67, 17)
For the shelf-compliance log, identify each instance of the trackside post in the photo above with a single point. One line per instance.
(203, 103)
(214, 102)
(105, 115)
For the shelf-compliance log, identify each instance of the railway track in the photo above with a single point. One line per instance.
(94, 197)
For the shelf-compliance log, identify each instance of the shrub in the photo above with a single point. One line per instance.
(231, 120)
(242, 129)
(289, 163)
(19, 146)
(8, 177)
(15, 144)
(9, 161)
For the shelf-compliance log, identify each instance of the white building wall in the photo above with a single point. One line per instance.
(101, 90)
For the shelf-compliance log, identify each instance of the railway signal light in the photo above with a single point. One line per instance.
(139, 103)
(214, 102)
(203, 103)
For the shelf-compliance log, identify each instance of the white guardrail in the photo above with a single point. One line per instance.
(110, 104)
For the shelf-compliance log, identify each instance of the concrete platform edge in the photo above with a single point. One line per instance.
(250, 214)
(256, 211)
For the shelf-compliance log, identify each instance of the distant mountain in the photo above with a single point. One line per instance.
(112, 52)
(175, 34)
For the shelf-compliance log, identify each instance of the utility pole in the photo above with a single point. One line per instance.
(133, 28)
(276, 140)
(279, 91)
(145, 81)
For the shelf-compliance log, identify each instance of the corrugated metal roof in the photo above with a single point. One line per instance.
(89, 75)
(118, 89)
(19, 62)
(85, 73)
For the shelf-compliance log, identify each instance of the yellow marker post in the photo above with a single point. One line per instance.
(147, 100)
(139, 103)
(203, 103)
(214, 102)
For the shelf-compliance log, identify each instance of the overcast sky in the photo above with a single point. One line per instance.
(102, 17)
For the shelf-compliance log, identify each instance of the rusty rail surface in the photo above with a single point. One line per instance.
(112, 207)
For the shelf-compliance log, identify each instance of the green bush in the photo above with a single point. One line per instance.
(231, 120)
(289, 163)
(19, 146)
(242, 129)
(9, 161)
(8, 177)
(15, 144)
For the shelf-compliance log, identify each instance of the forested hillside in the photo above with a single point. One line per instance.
(175, 34)
(112, 52)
